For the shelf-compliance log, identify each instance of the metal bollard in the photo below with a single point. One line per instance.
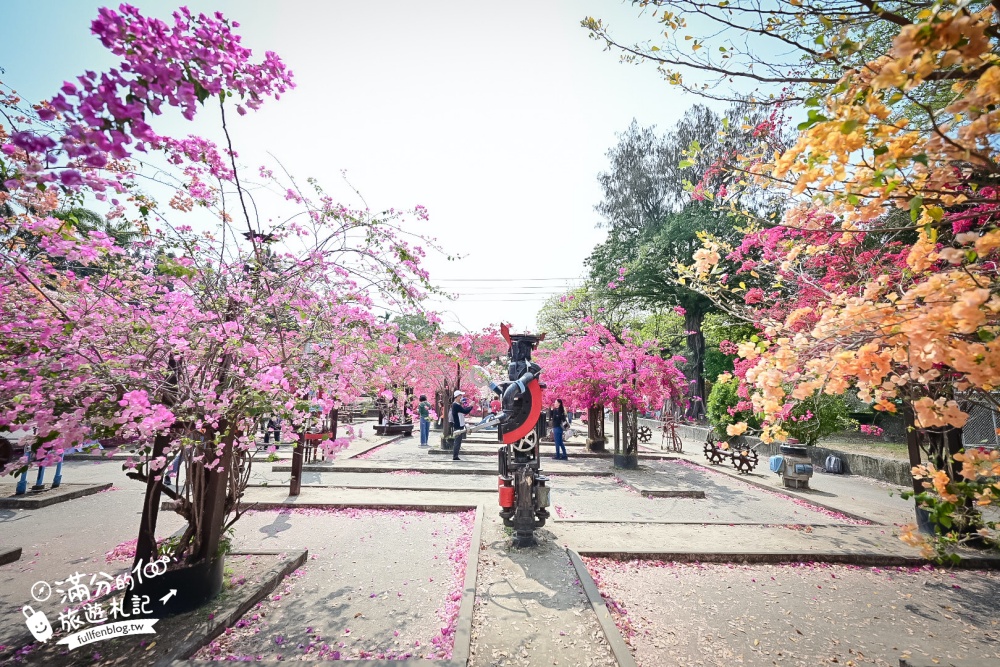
(39, 480)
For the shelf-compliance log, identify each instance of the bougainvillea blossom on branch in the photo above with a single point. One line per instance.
(881, 278)
(596, 368)
(174, 339)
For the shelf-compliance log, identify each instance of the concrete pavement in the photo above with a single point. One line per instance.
(530, 607)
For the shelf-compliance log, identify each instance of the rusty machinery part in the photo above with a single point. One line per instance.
(745, 460)
(676, 443)
(713, 454)
(645, 434)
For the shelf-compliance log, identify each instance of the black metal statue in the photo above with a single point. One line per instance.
(523, 493)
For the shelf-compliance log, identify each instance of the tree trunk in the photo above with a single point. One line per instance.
(942, 445)
(618, 435)
(145, 546)
(595, 428)
(214, 516)
(695, 369)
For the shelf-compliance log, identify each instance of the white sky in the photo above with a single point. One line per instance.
(494, 115)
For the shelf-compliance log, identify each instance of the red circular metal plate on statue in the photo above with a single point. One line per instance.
(529, 424)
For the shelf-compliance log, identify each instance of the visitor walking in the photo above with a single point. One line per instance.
(424, 410)
(558, 417)
(273, 425)
(459, 408)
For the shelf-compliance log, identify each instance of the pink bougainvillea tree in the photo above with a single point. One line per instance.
(447, 362)
(594, 368)
(207, 318)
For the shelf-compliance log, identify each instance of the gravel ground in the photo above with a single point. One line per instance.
(852, 493)
(378, 584)
(806, 614)
(726, 500)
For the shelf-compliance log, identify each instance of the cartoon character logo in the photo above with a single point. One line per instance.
(37, 623)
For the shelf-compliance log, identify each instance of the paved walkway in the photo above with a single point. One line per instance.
(530, 608)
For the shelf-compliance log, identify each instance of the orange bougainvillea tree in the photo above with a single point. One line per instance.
(881, 276)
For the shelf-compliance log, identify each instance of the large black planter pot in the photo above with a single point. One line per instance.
(195, 585)
(627, 461)
(924, 523)
(394, 429)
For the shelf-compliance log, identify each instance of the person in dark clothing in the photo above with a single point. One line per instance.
(459, 409)
(557, 415)
(273, 426)
(424, 409)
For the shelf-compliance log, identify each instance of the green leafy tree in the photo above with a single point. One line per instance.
(657, 200)
(416, 324)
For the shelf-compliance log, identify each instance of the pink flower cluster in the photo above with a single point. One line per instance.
(180, 65)
(595, 367)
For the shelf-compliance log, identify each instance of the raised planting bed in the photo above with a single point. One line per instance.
(379, 584)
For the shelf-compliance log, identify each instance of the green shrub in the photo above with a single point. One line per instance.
(817, 417)
(722, 397)
(717, 363)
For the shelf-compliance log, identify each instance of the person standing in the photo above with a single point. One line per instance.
(273, 425)
(558, 417)
(496, 406)
(424, 410)
(459, 408)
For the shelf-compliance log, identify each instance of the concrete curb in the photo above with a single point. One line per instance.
(662, 493)
(435, 489)
(219, 623)
(621, 651)
(450, 470)
(946, 662)
(124, 456)
(375, 446)
(664, 522)
(577, 455)
(778, 557)
(34, 500)
(463, 629)
(787, 492)
(9, 555)
(99, 457)
(416, 507)
(670, 493)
